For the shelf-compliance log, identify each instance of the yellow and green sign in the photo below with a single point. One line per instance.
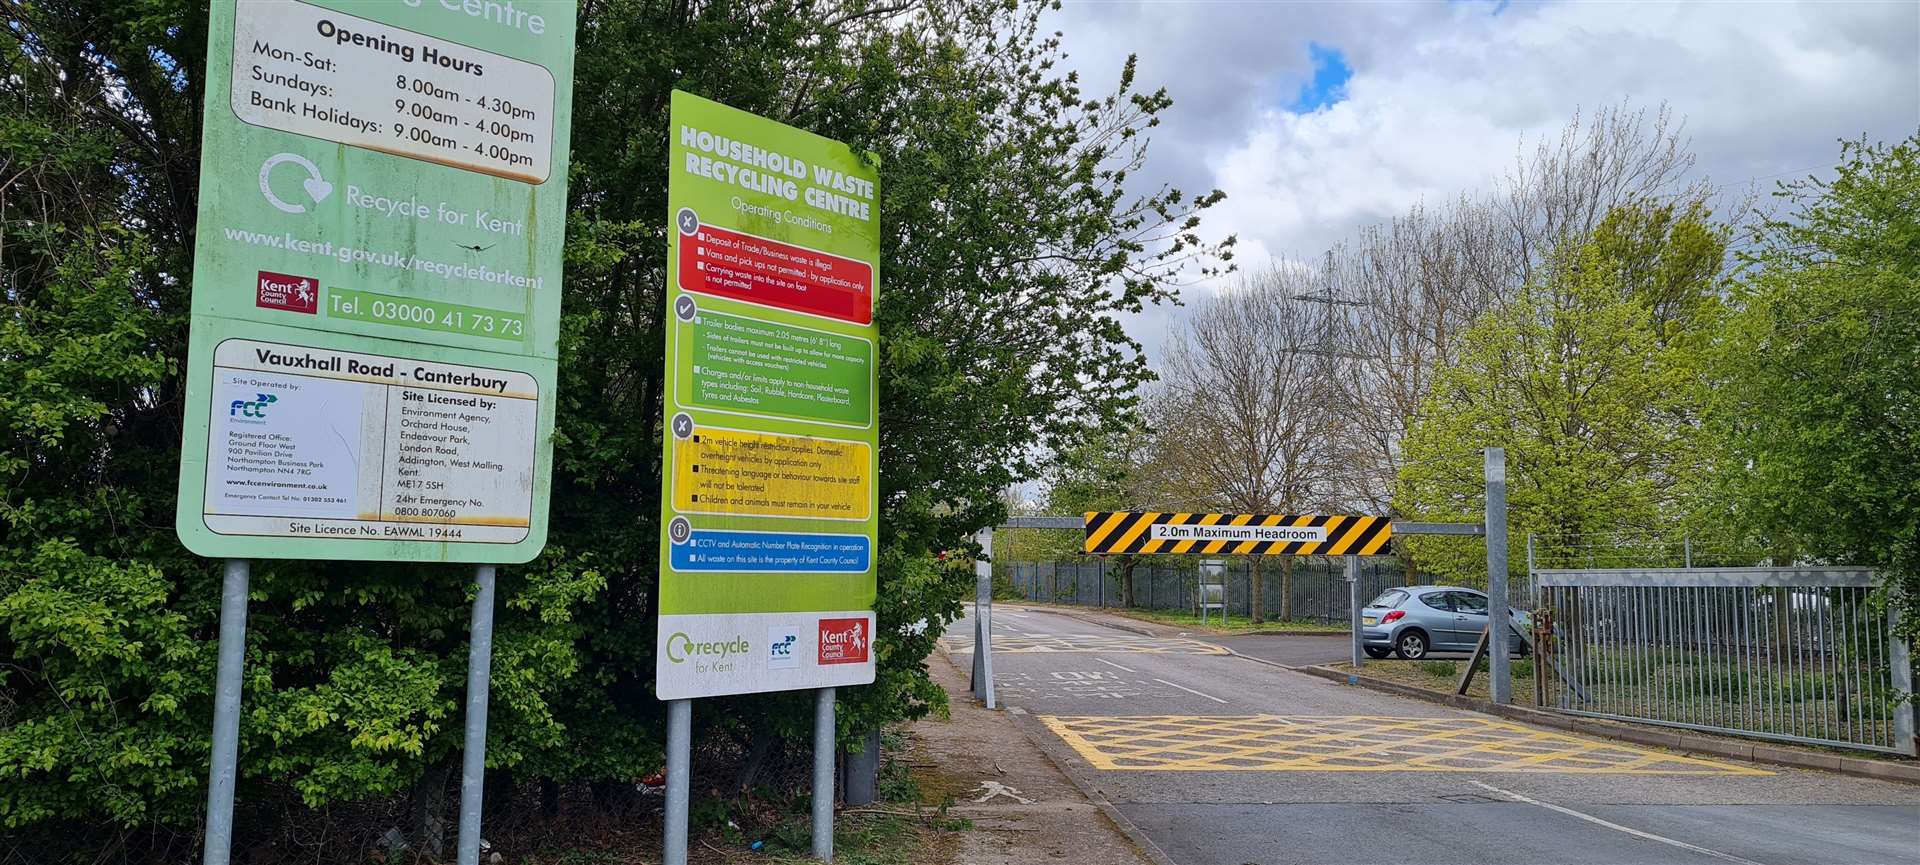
(376, 285)
(769, 507)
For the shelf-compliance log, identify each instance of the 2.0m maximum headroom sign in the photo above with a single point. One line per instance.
(1151, 532)
(376, 285)
(769, 506)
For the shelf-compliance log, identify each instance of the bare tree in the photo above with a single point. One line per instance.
(1404, 290)
(1564, 187)
(1242, 414)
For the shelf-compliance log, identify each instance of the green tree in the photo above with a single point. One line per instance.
(1816, 412)
(1585, 377)
(1109, 471)
(1013, 243)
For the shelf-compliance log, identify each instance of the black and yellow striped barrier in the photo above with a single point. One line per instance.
(1149, 532)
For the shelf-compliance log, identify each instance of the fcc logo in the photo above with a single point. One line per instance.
(783, 648)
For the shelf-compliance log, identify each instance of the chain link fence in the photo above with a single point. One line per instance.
(1316, 592)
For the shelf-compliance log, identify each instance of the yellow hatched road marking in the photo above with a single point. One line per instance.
(1188, 743)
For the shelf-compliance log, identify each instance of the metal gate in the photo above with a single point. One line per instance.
(1789, 654)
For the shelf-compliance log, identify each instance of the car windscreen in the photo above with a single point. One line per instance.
(1390, 598)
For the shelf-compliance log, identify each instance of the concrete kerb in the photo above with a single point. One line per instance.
(1676, 740)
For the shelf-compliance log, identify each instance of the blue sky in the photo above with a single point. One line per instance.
(1329, 82)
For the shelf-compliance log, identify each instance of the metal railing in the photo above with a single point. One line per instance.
(1788, 654)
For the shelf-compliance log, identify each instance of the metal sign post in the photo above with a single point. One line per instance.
(679, 746)
(1213, 588)
(1353, 594)
(226, 712)
(473, 757)
(823, 774)
(1500, 685)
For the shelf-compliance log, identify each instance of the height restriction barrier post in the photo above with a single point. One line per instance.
(389, 402)
(769, 496)
(1500, 682)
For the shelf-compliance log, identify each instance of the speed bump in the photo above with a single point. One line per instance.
(1270, 743)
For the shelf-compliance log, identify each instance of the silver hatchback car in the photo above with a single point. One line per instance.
(1416, 620)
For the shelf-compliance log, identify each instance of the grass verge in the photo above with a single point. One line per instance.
(1443, 676)
(1236, 625)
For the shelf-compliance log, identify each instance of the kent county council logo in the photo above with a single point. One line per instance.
(291, 293)
(253, 408)
(843, 641)
(782, 643)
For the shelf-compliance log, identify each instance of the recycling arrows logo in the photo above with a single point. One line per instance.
(316, 186)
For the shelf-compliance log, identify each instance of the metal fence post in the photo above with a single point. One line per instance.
(223, 772)
(1900, 660)
(1500, 681)
(473, 764)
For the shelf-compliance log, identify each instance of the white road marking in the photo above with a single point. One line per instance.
(991, 789)
(1190, 691)
(1112, 664)
(1648, 836)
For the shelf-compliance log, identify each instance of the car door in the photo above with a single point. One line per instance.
(1469, 618)
(1433, 613)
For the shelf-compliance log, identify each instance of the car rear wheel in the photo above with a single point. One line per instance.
(1412, 645)
(1377, 653)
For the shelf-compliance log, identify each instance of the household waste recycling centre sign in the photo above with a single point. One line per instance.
(376, 287)
(769, 505)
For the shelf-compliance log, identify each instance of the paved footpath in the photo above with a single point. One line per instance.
(1024, 809)
(1220, 760)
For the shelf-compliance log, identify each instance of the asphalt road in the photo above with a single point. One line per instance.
(1223, 761)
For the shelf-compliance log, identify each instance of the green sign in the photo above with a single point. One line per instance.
(376, 285)
(770, 506)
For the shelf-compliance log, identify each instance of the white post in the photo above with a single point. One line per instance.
(983, 619)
